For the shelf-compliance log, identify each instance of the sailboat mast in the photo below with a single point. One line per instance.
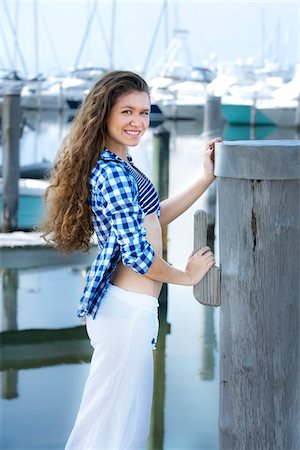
(112, 34)
(166, 27)
(16, 20)
(263, 37)
(17, 46)
(86, 33)
(154, 37)
(36, 37)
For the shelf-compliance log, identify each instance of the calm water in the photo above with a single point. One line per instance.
(42, 380)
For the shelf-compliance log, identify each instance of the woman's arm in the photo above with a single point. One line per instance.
(175, 206)
(198, 265)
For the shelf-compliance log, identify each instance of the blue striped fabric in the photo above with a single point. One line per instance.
(148, 198)
(118, 221)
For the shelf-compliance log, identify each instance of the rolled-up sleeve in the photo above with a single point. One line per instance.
(117, 198)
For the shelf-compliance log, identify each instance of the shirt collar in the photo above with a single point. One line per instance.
(107, 155)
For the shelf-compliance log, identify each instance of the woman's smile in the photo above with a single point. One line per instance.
(127, 122)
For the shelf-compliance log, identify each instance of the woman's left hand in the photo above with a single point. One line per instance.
(209, 157)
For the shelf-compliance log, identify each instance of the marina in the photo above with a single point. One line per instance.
(49, 359)
(213, 338)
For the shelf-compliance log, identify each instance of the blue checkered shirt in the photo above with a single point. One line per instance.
(118, 222)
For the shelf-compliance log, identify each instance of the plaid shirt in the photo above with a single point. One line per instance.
(118, 222)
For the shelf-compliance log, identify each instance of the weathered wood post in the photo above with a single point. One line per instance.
(259, 196)
(161, 151)
(212, 119)
(161, 156)
(11, 135)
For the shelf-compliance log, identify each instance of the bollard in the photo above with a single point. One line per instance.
(258, 192)
(11, 136)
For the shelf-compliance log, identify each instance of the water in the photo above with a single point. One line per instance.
(42, 381)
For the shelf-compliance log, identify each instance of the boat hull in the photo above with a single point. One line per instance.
(282, 116)
(182, 111)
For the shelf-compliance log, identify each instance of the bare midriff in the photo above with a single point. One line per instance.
(128, 279)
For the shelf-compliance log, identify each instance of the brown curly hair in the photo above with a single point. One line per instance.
(68, 222)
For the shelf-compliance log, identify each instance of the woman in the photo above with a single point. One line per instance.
(96, 187)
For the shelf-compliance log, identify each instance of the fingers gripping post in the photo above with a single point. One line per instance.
(207, 291)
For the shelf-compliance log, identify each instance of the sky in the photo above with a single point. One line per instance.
(52, 36)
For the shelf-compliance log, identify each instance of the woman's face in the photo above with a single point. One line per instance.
(128, 121)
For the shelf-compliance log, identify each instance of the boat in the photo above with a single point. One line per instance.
(185, 99)
(10, 80)
(179, 90)
(30, 207)
(263, 101)
(56, 93)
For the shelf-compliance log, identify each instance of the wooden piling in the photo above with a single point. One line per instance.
(259, 196)
(161, 156)
(11, 134)
(213, 119)
(161, 151)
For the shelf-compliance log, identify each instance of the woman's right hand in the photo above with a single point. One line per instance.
(198, 265)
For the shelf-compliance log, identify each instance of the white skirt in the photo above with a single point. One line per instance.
(115, 410)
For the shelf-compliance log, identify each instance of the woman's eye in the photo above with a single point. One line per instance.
(127, 111)
(146, 113)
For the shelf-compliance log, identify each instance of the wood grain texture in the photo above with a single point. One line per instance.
(260, 314)
(207, 291)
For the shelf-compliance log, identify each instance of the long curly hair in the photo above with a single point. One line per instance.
(68, 221)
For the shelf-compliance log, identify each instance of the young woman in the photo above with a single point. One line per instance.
(95, 187)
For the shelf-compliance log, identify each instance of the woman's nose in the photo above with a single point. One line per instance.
(136, 120)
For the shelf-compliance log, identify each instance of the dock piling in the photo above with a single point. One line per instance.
(11, 171)
(259, 196)
(213, 119)
(161, 156)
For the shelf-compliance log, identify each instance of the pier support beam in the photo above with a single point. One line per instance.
(11, 134)
(213, 119)
(161, 156)
(259, 196)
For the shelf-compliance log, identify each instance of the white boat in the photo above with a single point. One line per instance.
(185, 99)
(180, 88)
(55, 92)
(263, 101)
(284, 107)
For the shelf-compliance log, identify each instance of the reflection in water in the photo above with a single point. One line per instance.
(208, 346)
(156, 438)
(9, 384)
(9, 299)
(9, 322)
(27, 349)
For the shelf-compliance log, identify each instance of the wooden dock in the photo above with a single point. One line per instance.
(27, 250)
